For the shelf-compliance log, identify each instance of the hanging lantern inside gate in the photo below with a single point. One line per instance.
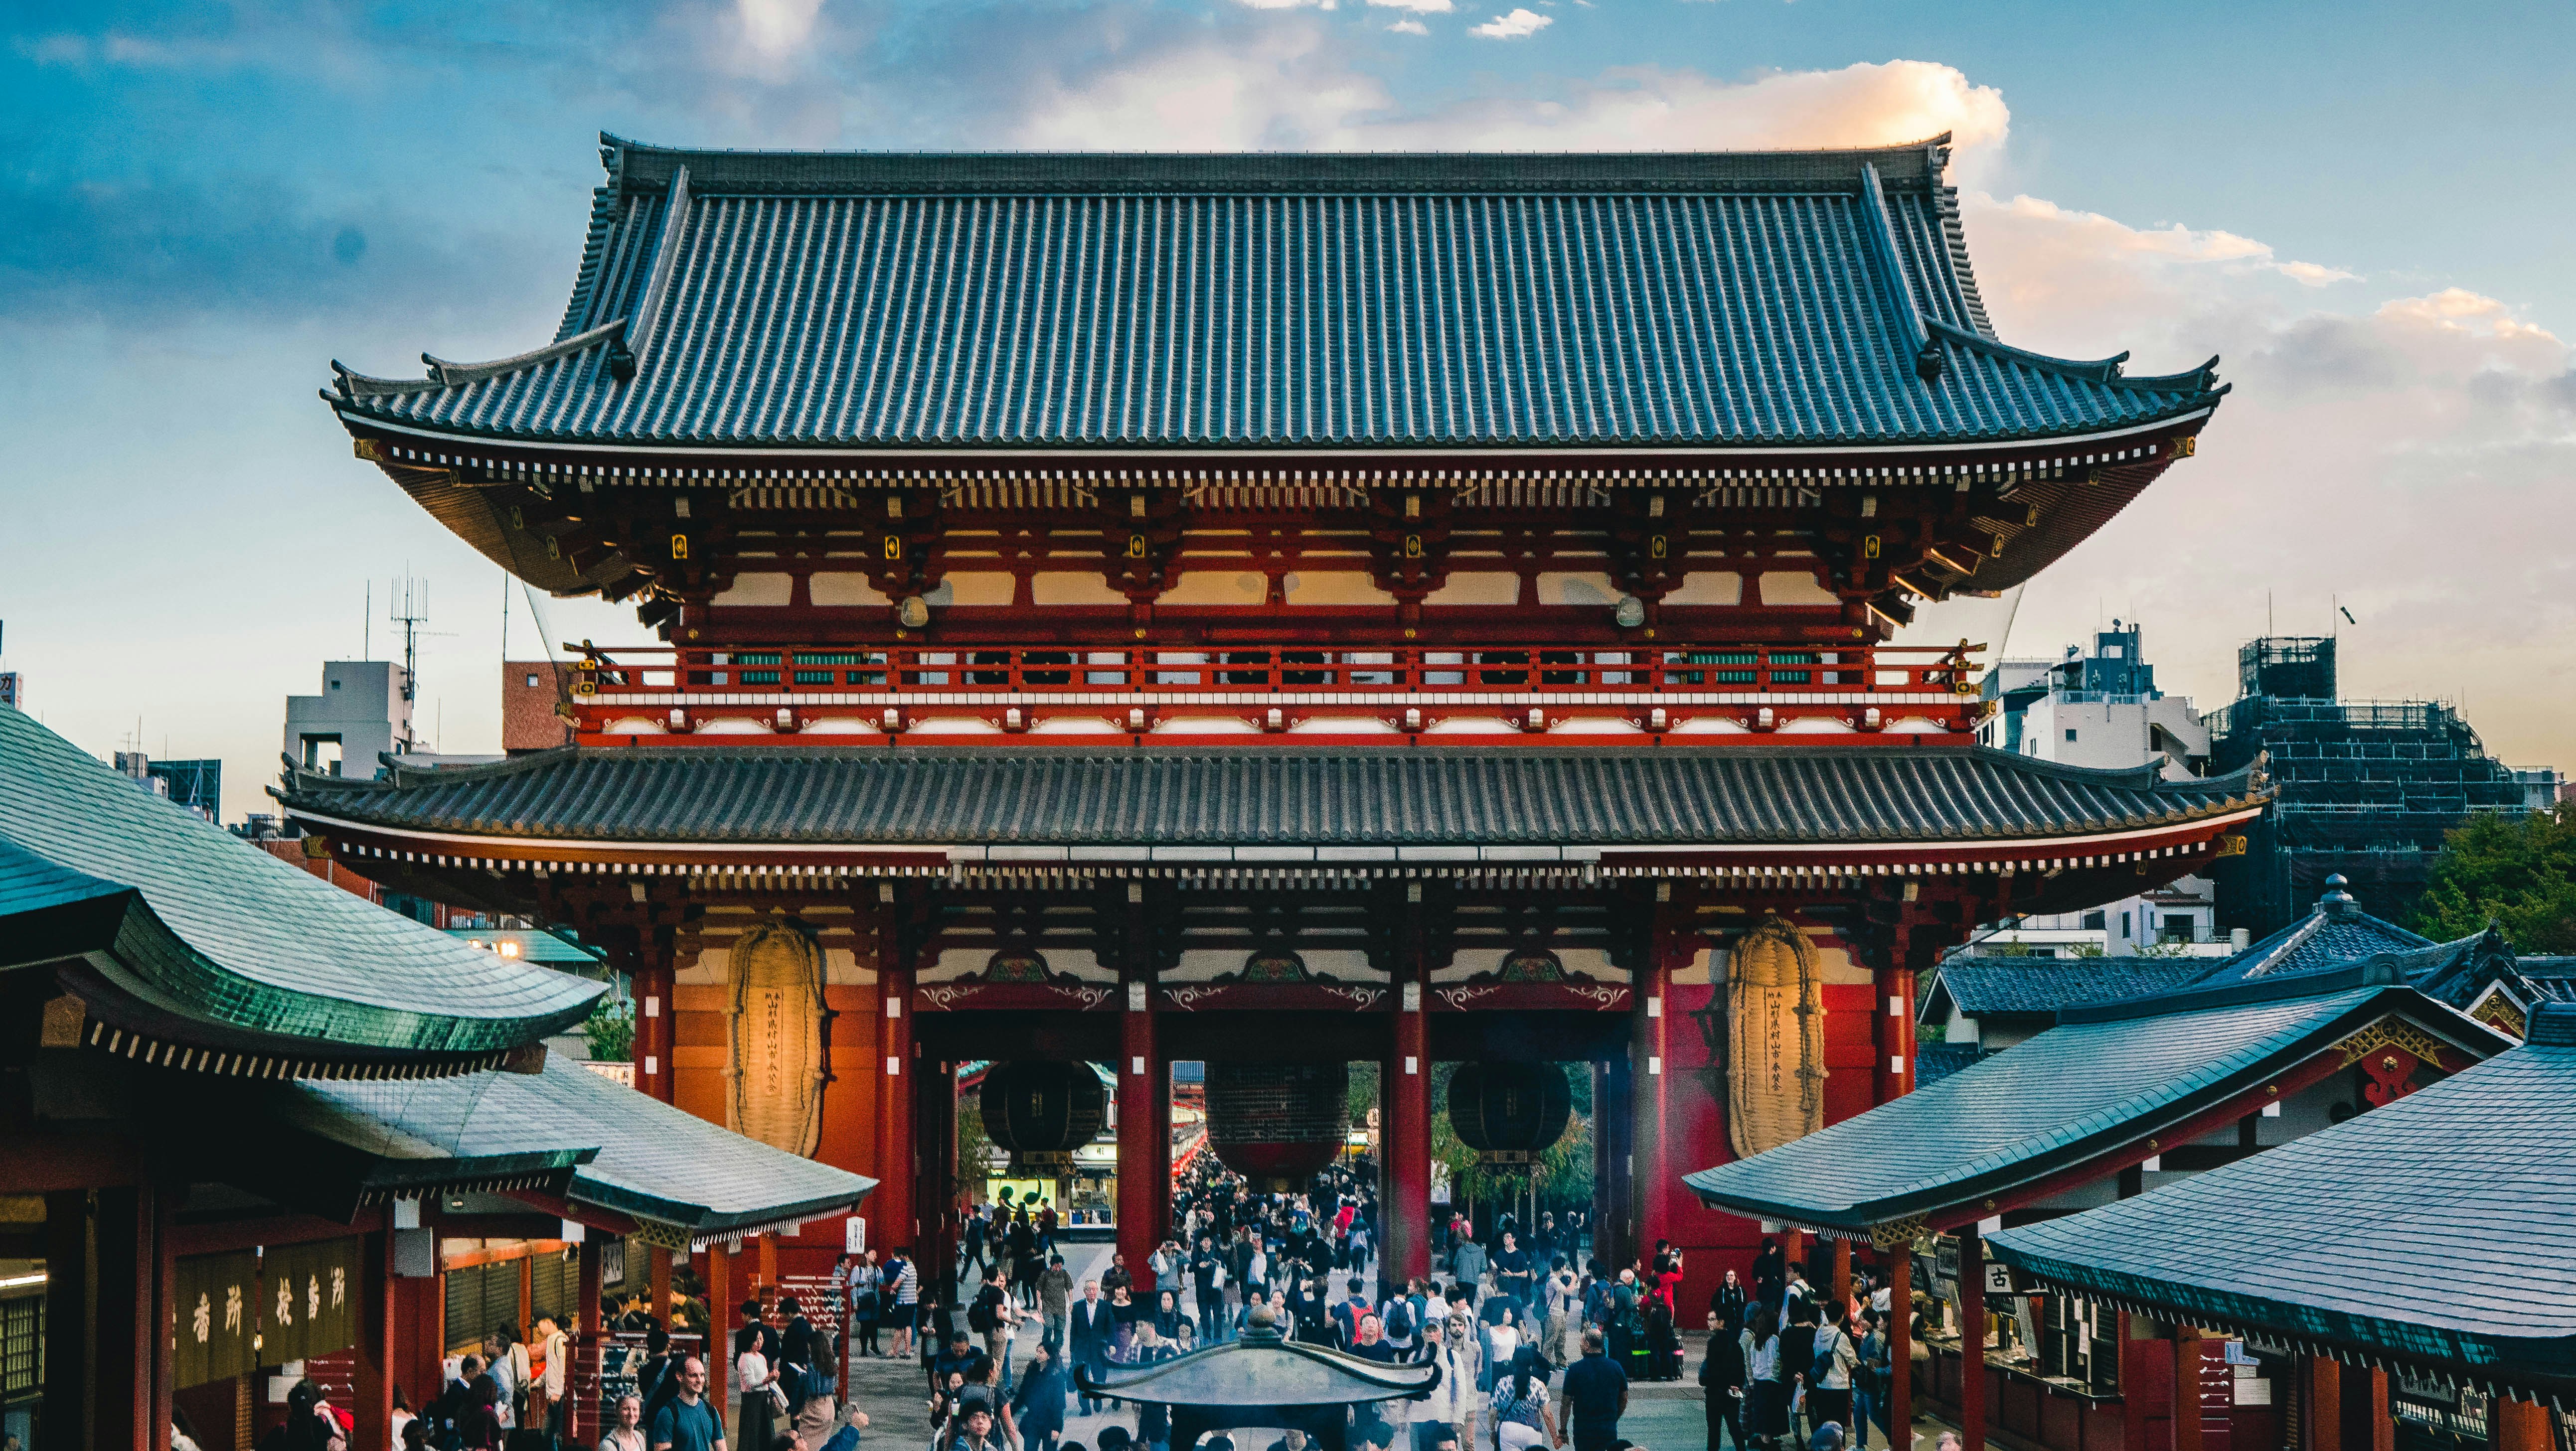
(1509, 1113)
(1042, 1112)
(1278, 1124)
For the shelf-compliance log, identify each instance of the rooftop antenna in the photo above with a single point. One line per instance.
(367, 625)
(411, 614)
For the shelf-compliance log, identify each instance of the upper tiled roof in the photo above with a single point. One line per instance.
(188, 923)
(655, 1162)
(1605, 796)
(2104, 1078)
(1273, 302)
(1936, 1061)
(1982, 985)
(2440, 1228)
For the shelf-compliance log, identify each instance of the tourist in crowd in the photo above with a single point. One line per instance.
(1453, 1397)
(1596, 1396)
(1055, 1297)
(1769, 1396)
(1521, 1415)
(1797, 1356)
(1467, 1261)
(975, 1429)
(688, 1422)
(756, 1375)
(1727, 1301)
(628, 1432)
(1869, 1382)
(1770, 1275)
(1833, 1360)
(863, 1284)
(1513, 1273)
(1091, 1338)
(903, 1278)
(1722, 1379)
(1037, 1409)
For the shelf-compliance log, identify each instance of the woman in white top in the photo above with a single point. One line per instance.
(1505, 1335)
(628, 1433)
(758, 1424)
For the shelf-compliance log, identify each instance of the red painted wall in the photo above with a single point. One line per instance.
(1711, 1242)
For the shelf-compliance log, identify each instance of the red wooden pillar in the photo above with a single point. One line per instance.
(2519, 1425)
(582, 1420)
(1144, 1144)
(653, 1022)
(1407, 1080)
(721, 1289)
(1842, 1272)
(1900, 1347)
(892, 1213)
(1895, 1069)
(2321, 1405)
(2186, 1388)
(658, 1286)
(374, 1389)
(1972, 1340)
(129, 1335)
(1649, 1055)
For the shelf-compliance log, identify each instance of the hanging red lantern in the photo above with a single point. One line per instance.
(1278, 1124)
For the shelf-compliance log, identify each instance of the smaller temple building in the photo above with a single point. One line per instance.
(2115, 1100)
(256, 1133)
(2400, 1278)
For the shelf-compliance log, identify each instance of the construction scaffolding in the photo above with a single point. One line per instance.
(2368, 789)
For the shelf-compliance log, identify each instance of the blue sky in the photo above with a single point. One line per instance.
(2362, 206)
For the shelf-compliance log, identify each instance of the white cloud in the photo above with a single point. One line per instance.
(773, 28)
(1278, 87)
(1419, 7)
(1513, 26)
(1410, 27)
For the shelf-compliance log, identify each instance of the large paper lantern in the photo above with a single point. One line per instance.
(1278, 1124)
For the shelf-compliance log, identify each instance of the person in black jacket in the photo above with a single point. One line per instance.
(1093, 1333)
(1721, 1378)
(1771, 1275)
(1727, 1300)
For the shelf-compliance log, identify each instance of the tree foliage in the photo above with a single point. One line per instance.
(2518, 874)
(610, 1030)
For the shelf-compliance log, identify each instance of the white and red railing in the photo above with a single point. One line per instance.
(665, 691)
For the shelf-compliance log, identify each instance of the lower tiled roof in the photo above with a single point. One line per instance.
(2440, 1228)
(2110, 1077)
(655, 1162)
(1256, 795)
(1982, 985)
(193, 926)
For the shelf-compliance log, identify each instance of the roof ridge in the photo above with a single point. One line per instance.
(445, 374)
(634, 165)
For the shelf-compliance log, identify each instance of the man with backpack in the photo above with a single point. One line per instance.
(1829, 1374)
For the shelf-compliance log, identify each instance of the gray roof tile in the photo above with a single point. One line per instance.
(1589, 796)
(655, 1162)
(1983, 985)
(2105, 1077)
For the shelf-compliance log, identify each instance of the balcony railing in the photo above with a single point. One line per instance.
(785, 687)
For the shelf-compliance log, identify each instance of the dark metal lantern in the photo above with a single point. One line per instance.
(1509, 1112)
(1042, 1112)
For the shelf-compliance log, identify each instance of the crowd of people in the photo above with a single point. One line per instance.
(1537, 1341)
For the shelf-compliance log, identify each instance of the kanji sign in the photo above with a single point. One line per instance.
(215, 1318)
(311, 1304)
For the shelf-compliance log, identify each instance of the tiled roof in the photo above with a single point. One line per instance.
(189, 923)
(1261, 795)
(1982, 985)
(2440, 1227)
(1252, 302)
(2104, 1078)
(655, 1162)
(2336, 932)
(1936, 1061)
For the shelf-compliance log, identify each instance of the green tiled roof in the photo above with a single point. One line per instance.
(181, 923)
(1272, 303)
(2105, 1077)
(1272, 795)
(2439, 1228)
(655, 1162)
